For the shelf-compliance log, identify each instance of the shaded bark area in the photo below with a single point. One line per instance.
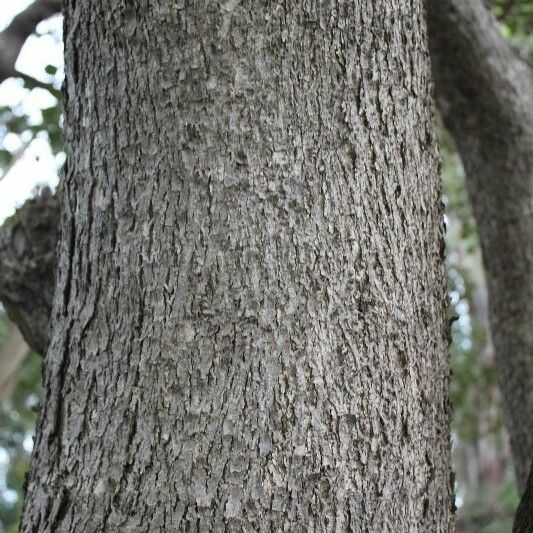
(485, 94)
(249, 327)
(27, 267)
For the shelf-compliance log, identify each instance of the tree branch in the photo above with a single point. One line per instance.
(22, 26)
(34, 82)
(484, 92)
(17, 157)
(27, 267)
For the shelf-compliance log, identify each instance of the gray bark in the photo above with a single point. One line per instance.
(485, 94)
(249, 325)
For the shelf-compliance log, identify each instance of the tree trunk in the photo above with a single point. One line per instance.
(249, 327)
(485, 94)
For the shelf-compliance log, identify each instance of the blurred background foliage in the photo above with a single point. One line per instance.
(18, 414)
(486, 496)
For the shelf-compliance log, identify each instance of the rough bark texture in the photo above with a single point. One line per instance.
(249, 328)
(27, 267)
(485, 94)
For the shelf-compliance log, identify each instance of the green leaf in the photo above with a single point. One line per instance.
(50, 69)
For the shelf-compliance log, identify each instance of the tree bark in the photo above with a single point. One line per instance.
(485, 95)
(249, 327)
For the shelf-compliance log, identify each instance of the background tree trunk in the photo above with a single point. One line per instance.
(249, 327)
(485, 95)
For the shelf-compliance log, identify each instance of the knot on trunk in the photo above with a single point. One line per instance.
(27, 266)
